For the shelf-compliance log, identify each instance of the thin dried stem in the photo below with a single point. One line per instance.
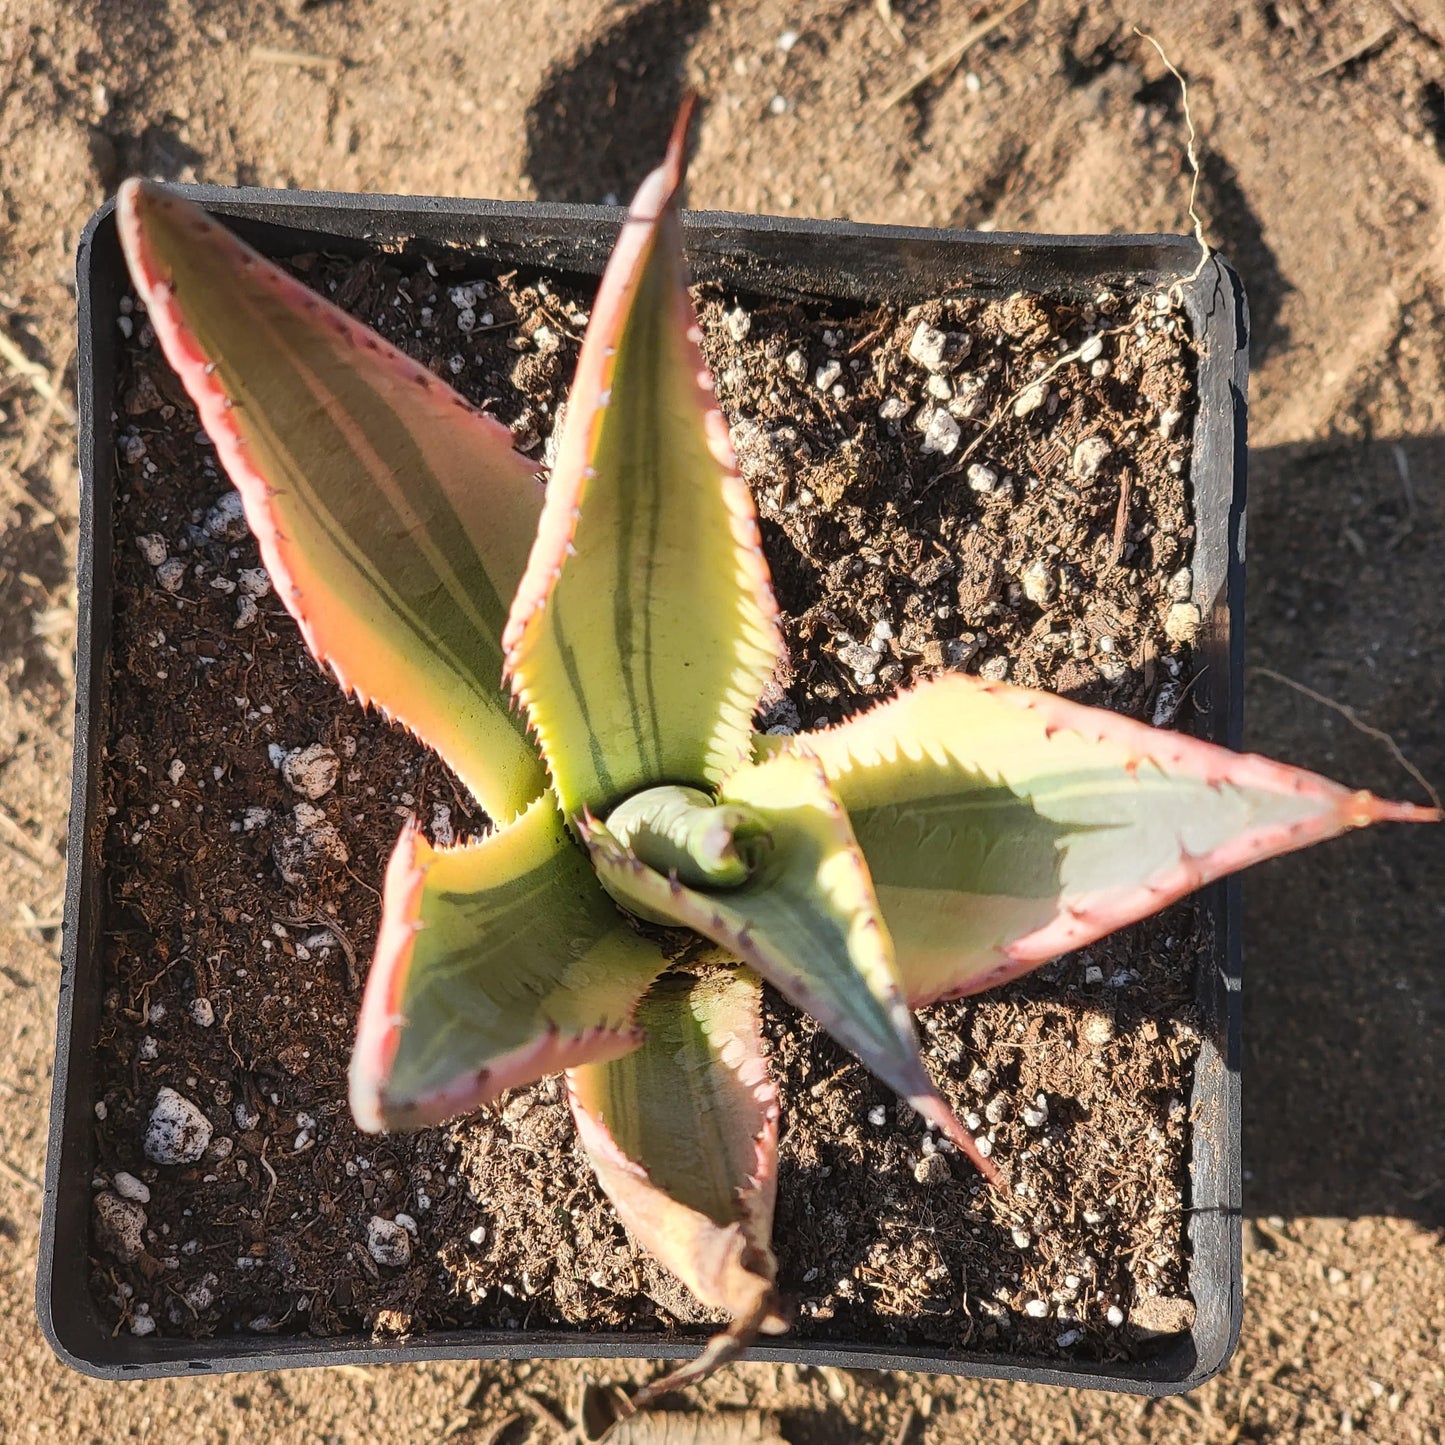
(949, 57)
(1176, 291)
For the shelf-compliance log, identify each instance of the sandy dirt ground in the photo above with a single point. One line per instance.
(1323, 179)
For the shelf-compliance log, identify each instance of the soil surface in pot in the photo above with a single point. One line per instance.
(923, 508)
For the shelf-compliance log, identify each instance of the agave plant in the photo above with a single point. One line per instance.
(588, 658)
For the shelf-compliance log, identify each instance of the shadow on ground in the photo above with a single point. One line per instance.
(1344, 996)
(603, 116)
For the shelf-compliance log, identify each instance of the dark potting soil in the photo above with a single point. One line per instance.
(240, 912)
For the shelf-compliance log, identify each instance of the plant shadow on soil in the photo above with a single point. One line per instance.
(622, 93)
(1344, 996)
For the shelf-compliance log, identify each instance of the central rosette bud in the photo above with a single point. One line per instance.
(682, 831)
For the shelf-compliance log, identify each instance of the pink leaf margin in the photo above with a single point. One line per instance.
(195, 367)
(383, 1019)
(590, 390)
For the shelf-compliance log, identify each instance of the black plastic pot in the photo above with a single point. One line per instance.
(763, 255)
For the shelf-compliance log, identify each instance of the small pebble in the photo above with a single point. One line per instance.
(939, 386)
(927, 346)
(1031, 398)
(1092, 349)
(981, 478)
(1070, 1337)
(311, 771)
(254, 581)
(177, 1132)
(1022, 1239)
(998, 1109)
(1093, 974)
(940, 430)
(984, 1145)
(1036, 1115)
(970, 395)
(827, 374)
(119, 1226)
(152, 547)
(739, 323)
(1037, 1309)
(388, 1242)
(1096, 1028)
(129, 1187)
(1181, 622)
(1040, 582)
(1169, 418)
(1181, 584)
(858, 658)
(226, 520)
(994, 669)
(1089, 456)
(1114, 1315)
(796, 365)
(478, 1235)
(171, 574)
(142, 1325)
(932, 1169)
(893, 408)
(878, 1116)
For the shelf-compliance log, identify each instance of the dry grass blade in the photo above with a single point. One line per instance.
(10, 1171)
(949, 57)
(50, 400)
(296, 59)
(742, 1427)
(39, 379)
(10, 481)
(1355, 721)
(1355, 52)
(34, 849)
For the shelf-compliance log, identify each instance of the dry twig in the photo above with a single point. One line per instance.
(20, 842)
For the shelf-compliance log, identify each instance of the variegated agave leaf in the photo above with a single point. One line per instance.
(498, 962)
(683, 1134)
(394, 518)
(1003, 826)
(806, 919)
(645, 626)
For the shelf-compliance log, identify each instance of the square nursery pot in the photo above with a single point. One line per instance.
(765, 256)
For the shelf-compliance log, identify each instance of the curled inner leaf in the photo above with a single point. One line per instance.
(682, 831)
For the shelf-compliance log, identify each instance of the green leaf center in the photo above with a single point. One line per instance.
(681, 831)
